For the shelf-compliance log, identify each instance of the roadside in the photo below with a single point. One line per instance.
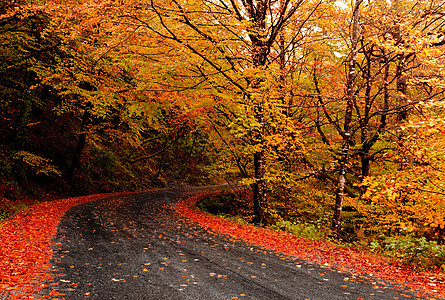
(322, 252)
(26, 246)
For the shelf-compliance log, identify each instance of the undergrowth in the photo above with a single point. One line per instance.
(304, 230)
(411, 250)
(230, 207)
(8, 209)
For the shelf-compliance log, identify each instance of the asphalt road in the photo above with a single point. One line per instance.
(136, 247)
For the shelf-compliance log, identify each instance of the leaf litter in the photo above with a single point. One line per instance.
(26, 248)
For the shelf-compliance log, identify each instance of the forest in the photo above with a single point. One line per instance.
(330, 113)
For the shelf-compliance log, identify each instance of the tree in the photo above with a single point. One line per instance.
(23, 100)
(350, 96)
(397, 197)
(234, 47)
(386, 61)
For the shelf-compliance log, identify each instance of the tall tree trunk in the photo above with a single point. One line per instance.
(364, 123)
(346, 134)
(259, 162)
(340, 192)
(259, 55)
(259, 190)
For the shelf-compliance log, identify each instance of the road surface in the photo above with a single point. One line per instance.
(137, 247)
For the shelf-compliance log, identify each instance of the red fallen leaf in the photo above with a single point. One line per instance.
(26, 245)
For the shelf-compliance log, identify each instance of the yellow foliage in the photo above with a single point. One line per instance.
(38, 164)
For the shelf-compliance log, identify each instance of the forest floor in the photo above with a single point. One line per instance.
(27, 247)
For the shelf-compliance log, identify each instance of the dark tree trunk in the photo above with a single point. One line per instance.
(340, 192)
(369, 141)
(259, 163)
(259, 190)
(259, 56)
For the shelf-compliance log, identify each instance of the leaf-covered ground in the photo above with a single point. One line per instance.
(25, 247)
(321, 252)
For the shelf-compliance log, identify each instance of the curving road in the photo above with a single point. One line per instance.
(136, 247)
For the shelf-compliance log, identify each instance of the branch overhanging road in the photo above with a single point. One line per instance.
(137, 247)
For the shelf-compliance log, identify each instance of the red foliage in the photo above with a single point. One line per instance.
(322, 252)
(25, 247)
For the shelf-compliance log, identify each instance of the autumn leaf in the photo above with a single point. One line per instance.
(27, 245)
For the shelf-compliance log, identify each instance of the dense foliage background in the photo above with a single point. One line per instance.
(331, 113)
(66, 130)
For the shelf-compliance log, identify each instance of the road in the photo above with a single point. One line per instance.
(137, 247)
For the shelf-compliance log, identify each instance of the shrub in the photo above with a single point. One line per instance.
(412, 250)
(216, 205)
(305, 230)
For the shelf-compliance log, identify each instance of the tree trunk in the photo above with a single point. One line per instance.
(259, 163)
(259, 190)
(340, 193)
(368, 142)
(259, 55)
(346, 134)
(402, 114)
